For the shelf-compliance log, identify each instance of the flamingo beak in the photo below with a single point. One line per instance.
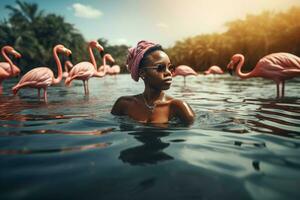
(100, 48)
(68, 52)
(16, 54)
(112, 60)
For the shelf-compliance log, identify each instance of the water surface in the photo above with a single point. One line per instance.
(244, 143)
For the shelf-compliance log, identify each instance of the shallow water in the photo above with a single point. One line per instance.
(244, 143)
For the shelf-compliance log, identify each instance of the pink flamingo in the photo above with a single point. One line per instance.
(214, 70)
(43, 77)
(104, 67)
(114, 70)
(276, 66)
(184, 70)
(68, 65)
(8, 69)
(85, 70)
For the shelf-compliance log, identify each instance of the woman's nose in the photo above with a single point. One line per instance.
(167, 72)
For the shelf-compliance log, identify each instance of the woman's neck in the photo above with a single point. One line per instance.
(151, 95)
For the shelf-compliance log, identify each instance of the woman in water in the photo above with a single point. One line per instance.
(149, 62)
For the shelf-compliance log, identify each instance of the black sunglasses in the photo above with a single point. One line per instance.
(162, 68)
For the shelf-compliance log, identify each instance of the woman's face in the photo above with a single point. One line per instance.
(157, 71)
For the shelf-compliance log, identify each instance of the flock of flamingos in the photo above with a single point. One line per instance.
(276, 66)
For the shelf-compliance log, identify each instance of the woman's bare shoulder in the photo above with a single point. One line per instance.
(122, 104)
(182, 110)
(178, 104)
(127, 99)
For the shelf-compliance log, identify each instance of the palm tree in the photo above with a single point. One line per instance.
(22, 23)
(34, 34)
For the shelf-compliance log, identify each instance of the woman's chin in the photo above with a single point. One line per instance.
(166, 87)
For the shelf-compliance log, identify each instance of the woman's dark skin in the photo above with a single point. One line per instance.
(138, 107)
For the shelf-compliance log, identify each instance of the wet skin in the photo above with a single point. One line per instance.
(153, 106)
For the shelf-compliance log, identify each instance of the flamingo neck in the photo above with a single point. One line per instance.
(239, 67)
(68, 66)
(8, 60)
(104, 61)
(102, 69)
(59, 68)
(92, 57)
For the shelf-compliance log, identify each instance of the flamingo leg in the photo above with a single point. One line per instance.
(45, 95)
(87, 86)
(84, 86)
(282, 89)
(1, 87)
(277, 86)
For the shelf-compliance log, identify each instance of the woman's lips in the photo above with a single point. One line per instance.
(168, 80)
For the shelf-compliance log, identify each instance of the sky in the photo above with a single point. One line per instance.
(162, 21)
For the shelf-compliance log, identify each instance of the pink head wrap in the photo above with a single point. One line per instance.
(135, 55)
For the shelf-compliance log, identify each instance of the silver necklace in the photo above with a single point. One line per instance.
(151, 108)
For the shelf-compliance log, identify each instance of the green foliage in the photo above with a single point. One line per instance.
(255, 37)
(118, 52)
(34, 34)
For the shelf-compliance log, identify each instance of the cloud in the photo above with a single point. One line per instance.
(86, 11)
(162, 25)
